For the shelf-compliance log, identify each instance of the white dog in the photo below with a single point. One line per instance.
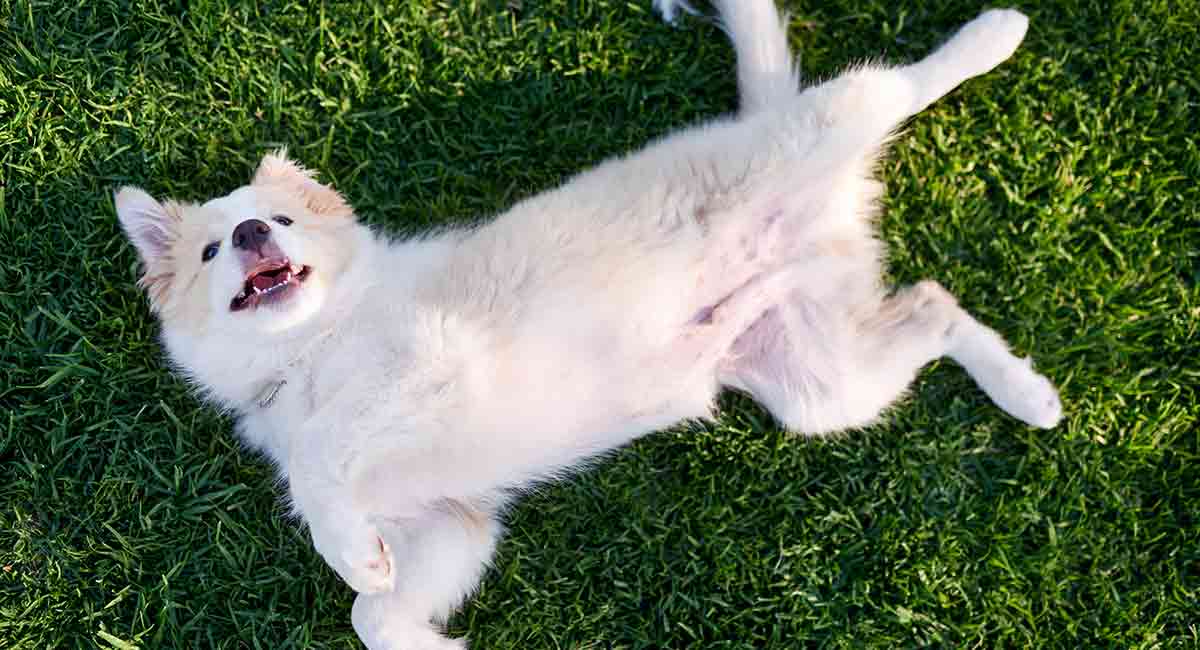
(408, 390)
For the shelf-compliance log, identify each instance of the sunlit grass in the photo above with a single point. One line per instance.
(1056, 196)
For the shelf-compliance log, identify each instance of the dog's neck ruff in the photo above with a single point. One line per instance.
(266, 397)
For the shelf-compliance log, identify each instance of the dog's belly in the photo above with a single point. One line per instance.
(567, 339)
(616, 351)
(605, 380)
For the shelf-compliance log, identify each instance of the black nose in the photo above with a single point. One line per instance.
(251, 233)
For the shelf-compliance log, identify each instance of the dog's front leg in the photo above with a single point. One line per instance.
(446, 551)
(342, 529)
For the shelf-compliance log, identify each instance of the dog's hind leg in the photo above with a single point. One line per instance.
(978, 47)
(871, 101)
(440, 559)
(767, 74)
(820, 371)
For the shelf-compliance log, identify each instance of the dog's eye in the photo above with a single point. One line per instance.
(210, 251)
(281, 220)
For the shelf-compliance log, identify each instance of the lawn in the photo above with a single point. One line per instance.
(1056, 196)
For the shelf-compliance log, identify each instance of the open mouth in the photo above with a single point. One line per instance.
(269, 282)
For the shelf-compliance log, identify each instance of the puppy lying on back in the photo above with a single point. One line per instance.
(407, 390)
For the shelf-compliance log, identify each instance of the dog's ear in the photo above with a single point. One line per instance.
(150, 225)
(153, 228)
(277, 169)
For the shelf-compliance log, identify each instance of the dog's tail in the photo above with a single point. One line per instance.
(766, 72)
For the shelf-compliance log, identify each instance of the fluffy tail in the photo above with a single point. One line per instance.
(765, 70)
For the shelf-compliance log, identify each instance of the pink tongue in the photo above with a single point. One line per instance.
(262, 282)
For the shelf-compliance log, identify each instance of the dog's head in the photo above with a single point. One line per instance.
(262, 259)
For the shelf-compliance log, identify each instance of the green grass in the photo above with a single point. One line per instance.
(1057, 196)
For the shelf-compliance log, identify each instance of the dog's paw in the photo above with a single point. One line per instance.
(419, 639)
(383, 623)
(993, 36)
(1027, 395)
(669, 9)
(359, 555)
(426, 641)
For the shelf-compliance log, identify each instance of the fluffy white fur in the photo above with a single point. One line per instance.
(407, 390)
